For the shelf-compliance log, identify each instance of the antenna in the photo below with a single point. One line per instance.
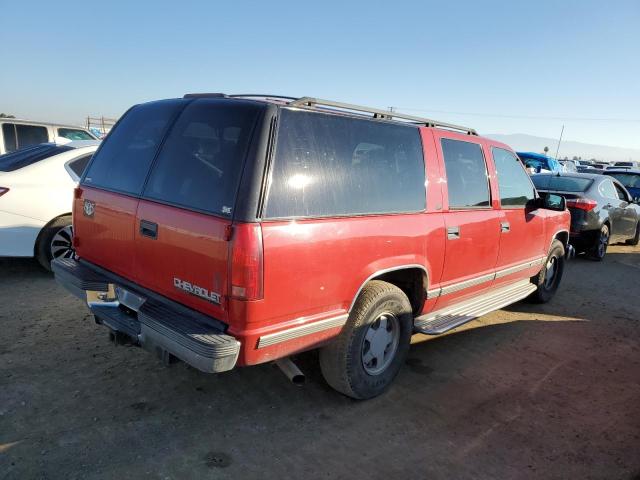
(559, 141)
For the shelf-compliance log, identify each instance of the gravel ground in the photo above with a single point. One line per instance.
(532, 391)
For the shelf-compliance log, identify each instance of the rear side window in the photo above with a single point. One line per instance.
(330, 165)
(201, 161)
(18, 136)
(515, 186)
(78, 165)
(467, 180)
(30, 155)
(608, 189)
(73, 134)
(122, 162)
(561, 184)
(9, 134)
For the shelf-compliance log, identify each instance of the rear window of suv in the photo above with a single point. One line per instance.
(200, 163)
(331, 165)
(122, 162)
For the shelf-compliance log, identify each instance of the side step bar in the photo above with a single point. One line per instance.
(443, 320)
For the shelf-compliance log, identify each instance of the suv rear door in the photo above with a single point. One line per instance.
(183, 221)
(105, 205)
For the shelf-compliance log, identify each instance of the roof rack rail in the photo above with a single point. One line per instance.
(311, 102)
(204, 95)
(263, 96)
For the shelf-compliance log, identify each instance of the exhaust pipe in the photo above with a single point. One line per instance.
(292, 372)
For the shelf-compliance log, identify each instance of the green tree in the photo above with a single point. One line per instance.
(6, 115)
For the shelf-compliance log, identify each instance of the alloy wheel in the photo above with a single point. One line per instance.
(62, 243)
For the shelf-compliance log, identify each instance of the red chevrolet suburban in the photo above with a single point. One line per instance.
(233, 230)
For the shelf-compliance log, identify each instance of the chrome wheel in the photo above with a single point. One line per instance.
(603, 242)
(380, 343)
(62, 243)
(550, 273)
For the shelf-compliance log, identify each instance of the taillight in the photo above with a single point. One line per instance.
(246, 262)
(3, 190)
(585, 204)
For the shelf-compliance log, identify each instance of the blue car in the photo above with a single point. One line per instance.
(539, 163)
(629, 178)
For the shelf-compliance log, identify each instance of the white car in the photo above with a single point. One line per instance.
(36, 193)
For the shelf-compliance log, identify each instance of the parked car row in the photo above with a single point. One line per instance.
(602, 210)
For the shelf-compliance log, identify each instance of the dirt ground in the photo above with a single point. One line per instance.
(533, 391)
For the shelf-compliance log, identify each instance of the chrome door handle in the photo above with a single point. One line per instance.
(453, 233)
(505, 227)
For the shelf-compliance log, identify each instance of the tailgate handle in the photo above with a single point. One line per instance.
(148, 229)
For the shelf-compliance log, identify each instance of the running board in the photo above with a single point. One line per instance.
(441, 321)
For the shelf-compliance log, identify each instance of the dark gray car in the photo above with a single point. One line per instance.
(602, 210)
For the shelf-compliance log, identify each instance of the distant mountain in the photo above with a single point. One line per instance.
(529, 143)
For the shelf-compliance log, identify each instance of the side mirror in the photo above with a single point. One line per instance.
(551, 201)
(636, 200)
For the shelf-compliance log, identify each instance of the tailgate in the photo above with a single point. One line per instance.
(187, 258)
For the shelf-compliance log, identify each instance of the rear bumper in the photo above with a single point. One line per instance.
(155, 323)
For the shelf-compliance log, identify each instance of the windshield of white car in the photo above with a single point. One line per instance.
(30, 155)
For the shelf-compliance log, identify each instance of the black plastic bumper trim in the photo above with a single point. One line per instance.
(160, 324)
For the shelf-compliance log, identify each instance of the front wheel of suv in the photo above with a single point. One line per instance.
(550, 275)
(367, 355)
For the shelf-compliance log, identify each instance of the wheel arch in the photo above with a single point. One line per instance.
(43, 229)
(563, 236)
(412, 279)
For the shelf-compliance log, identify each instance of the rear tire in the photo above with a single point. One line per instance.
(636, 239)
(55, 240)
(548, 280)
(367, 355)
(599, 248)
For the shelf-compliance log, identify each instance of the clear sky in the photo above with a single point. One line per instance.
(502, 67)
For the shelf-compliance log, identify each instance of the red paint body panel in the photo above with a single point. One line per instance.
(106, 238)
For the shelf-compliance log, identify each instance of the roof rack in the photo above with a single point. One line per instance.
(264, 96)
(311, 102)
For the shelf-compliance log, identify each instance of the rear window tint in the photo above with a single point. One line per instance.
(201, 161)
(122, 162)
(561, 184)
(330, 165)
(30, 155)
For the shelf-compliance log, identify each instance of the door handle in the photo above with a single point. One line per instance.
(505, 227)
(453, 233)
(149, 229)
